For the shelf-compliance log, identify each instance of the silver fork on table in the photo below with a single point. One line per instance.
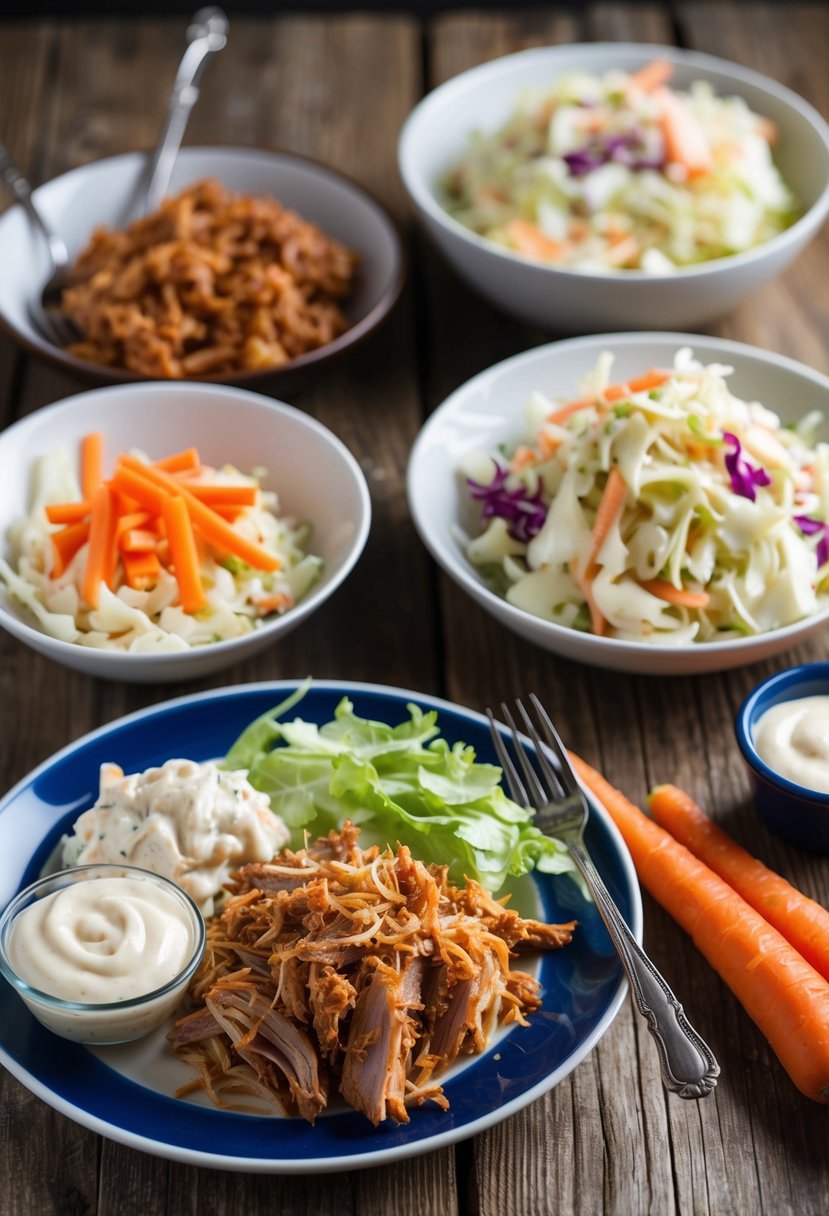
(688, 1064)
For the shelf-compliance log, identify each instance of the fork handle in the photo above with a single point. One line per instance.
(13, 177)
(687, 1062)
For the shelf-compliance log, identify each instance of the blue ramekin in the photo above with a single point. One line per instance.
(795, 813)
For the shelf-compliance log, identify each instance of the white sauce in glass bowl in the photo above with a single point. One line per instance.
(193, 823)
(792, 738)
(102, 941)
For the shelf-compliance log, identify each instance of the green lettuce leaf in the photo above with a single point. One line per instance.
(400, 784)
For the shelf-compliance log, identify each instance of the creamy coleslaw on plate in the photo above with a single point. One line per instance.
(622, 172)
(238, 597)
(663, 510)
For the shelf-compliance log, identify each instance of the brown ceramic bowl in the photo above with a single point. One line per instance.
(106, 192)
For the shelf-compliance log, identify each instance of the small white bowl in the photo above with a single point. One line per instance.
(488, 410)
(108, 192)
(316, 477)
(115, 1021)
(436, 136)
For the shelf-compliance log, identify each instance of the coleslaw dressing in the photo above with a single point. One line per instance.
(793, 739)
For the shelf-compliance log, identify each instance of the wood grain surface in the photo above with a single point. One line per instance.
(338, 87)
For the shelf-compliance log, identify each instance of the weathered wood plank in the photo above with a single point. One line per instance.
(708, 1157)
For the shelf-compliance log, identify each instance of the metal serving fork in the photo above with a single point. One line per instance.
(688, 1065)
(44, 310)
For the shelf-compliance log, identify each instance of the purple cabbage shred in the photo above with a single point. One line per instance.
(524, 512)
(811, 527)
(745, 477)
(626, 148)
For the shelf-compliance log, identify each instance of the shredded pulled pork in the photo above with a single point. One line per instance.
(211, 284)
(339, 968)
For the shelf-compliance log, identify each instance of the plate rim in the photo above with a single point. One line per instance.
(288, 1166)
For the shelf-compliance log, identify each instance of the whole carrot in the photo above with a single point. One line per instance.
(778, 989)
(802, 922)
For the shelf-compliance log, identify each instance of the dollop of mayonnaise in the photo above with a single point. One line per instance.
(102, 940)
(793, 739)
(193, 823)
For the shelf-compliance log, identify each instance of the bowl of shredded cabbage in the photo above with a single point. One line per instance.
(614, 185)
(644, 502)
(162, 531)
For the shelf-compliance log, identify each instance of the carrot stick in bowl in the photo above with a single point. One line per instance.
(786, 998)
(804, 923)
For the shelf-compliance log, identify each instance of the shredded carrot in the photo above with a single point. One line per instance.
(66, 544)
(141, 570)
(240, 496)
(145, 492)
(651, 76)
(184, 554)
(137, 540)
(680, 596)
(685, 142)
(780, 991)
(768, 128)
(100, 558)
(273, 602)
(610, 508)
(804, 923)
(530, 240)
(655, 378)
(216, 531)
(92, 463)
(68, 512)
(132, 519)
(522, 458)
(179, 462)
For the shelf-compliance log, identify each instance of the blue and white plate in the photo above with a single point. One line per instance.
(126, 1092)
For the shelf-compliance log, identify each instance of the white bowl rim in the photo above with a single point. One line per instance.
(423, 197)
(464, 573)
(42, 348)
(60, 650)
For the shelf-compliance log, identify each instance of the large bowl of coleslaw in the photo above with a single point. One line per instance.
(163, 531)
(616, 186)
(646, 502)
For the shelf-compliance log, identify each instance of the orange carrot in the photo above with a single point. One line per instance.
(215, 530)
(145, 492)
(141, 570)
(179, 461)
(685, 142)
(614, 392)
(522, 458)
(66, 544)
(68, 512)
(780, 991)
(92, 463)
(136, 540)
(680, 596)
(184, 554)
(530, 240)
(651, 76)
(768, 128)
(608, 511)
(100, 558)
(802, 922)
(272, 602)
(227, 510)
(240, 496)
(132, 519)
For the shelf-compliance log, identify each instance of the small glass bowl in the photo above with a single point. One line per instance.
(112, 1022)
(794, 812)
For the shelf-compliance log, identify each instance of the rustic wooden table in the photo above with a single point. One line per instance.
(608, 1139)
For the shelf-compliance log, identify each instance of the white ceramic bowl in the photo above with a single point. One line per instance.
(107, 192)
(315, 475)
(436, 135)
(488, 410)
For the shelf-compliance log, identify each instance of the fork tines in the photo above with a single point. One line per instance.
(527, 786)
